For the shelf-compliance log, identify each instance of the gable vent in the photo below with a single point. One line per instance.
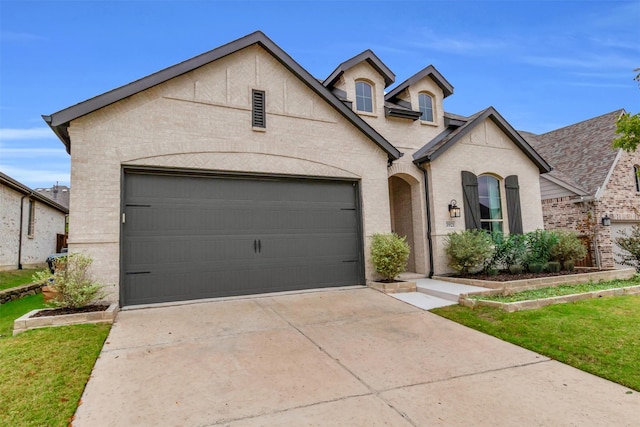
(259, 116)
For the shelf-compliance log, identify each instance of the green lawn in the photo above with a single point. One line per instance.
(44, 371)
(599, 335)
(13, 278)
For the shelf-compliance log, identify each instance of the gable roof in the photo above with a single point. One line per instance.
(367, 56)
(582, 151)
(21, 188)
(429, 71)
(441, 143)
(59, 122)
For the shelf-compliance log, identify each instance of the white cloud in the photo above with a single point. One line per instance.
(36, 178)
(33, 152)
(9, 134)
(14, 36)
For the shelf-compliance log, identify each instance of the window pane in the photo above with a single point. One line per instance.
(489, 195)
(425, 103)
(364, 98)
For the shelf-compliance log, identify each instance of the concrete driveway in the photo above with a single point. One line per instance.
(351, 357)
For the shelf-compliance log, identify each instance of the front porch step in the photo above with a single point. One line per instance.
(445, 290)
(422, 300)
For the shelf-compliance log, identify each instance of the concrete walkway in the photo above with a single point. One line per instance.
(433, 293)
(344, 357)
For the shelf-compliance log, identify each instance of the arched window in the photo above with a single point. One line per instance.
(425, 102)
(636, 176)
(490, 203)
(364, 97)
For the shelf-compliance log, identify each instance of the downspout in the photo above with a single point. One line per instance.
(428, 211)
(20, 233)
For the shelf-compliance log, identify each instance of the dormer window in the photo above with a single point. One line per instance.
(364, 97)
(425, 103)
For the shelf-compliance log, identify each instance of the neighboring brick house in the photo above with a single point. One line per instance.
(590, 180)
(31, 225)
(238, 172)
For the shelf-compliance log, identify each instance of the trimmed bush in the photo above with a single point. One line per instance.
(552, 267)
(389, 254)
(569, 265)
(469, 250)
(536, 267)
(568, 247)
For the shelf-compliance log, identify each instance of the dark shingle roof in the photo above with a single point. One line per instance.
(582, 151)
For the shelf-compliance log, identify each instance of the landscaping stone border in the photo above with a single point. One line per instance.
(511, 307)
(543, 282)
(24, 323)
(18, 292)
(394, 287)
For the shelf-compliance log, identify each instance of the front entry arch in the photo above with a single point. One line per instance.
(402, 221)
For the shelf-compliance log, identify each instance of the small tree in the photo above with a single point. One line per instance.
(71, 281)
(389, 254)
(469, 250)
(631, 245)
(539, 246)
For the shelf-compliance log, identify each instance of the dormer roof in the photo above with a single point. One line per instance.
(367, 56)
(452, 135)
(429, 71)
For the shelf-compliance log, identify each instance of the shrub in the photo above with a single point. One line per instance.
(516, 250)
(568, 247)
(515, 269)
(552, 267)
(539, 245)
(536, 267)
(389, 254)
(630, 244)
(569, 265)
(469, 250)
(72, 282)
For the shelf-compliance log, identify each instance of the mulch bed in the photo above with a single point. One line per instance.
(60, 311)
(507, 277)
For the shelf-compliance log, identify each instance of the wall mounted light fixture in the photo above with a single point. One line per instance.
(454, 210)
(606, 221)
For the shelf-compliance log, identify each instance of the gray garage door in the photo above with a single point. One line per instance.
(190, 237)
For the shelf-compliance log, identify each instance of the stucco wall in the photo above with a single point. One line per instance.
(36, 249)
(202, 120)
(485, 150)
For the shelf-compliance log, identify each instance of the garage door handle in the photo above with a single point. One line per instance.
(260, 246)
(255, 246)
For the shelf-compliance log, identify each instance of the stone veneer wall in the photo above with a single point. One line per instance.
(19, 292)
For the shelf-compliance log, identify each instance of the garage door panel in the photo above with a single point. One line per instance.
(200, 237)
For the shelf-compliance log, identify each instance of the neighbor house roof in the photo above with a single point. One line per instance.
(21, 188)
(59, 121)
(429, 71)
(582, 151)
(441, 143)
(367, 56)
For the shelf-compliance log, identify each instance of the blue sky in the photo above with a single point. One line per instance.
(541, 64)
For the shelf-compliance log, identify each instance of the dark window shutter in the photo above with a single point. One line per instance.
(471, 201)
(259, 116)
(513, 204)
